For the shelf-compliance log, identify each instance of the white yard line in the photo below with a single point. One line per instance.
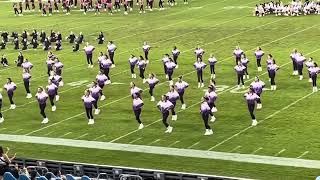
(280, 152)
(49, 133)
(153, 142)
(174, 143)
(16, 131)
(66, 134)
(99, 137)
(259, 122)
(236, 157)
(193, 145)
(303, 154)
(83, 135)
(255, 151)
(133, 141)
(235, 149)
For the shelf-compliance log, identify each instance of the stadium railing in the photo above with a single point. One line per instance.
(82, 171)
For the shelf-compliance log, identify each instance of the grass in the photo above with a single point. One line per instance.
(218, 30)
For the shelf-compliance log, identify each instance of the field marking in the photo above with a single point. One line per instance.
(83, 135)
(99, 137)
(174, 143)
(303, 154)
(153, 142)
(280, 152)
(236, 157)
(255, 151)
(16, 131)
(193, 145)
(259, 122)
(66, 134)
(235, 149)
(49, 133)
(133, 141)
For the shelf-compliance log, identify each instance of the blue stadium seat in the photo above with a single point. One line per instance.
(23, 177)
(85, 178)
(41, 178)
(70, 177)
(50, 175)
(8, 176)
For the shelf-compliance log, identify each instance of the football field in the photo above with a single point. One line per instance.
(288, 122)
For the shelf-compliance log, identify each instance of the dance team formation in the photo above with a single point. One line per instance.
(294, 8)
(168, 102)
(49, 7)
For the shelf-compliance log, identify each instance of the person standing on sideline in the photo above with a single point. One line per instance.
(175, 54)
(257, 85)
(240, 73)
(137, 105)
(165, 106)
(205, 111)
(88, 101)
(259, 54)
(152, 81)
(212, 62)
(10, 87)
(199, 66)
(42, 97)
(181, 86)
(111, 50)
(88, 49)
(251, 98)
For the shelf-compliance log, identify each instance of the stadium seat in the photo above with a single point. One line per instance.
(85, 178)
(8, 176)
(41, 178)
(71, 177)
(23, 177)
(50, 175)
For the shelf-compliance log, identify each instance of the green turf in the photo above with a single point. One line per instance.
(218, 30)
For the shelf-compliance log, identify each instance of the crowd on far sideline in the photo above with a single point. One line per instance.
(294, 8)
(96, 6)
